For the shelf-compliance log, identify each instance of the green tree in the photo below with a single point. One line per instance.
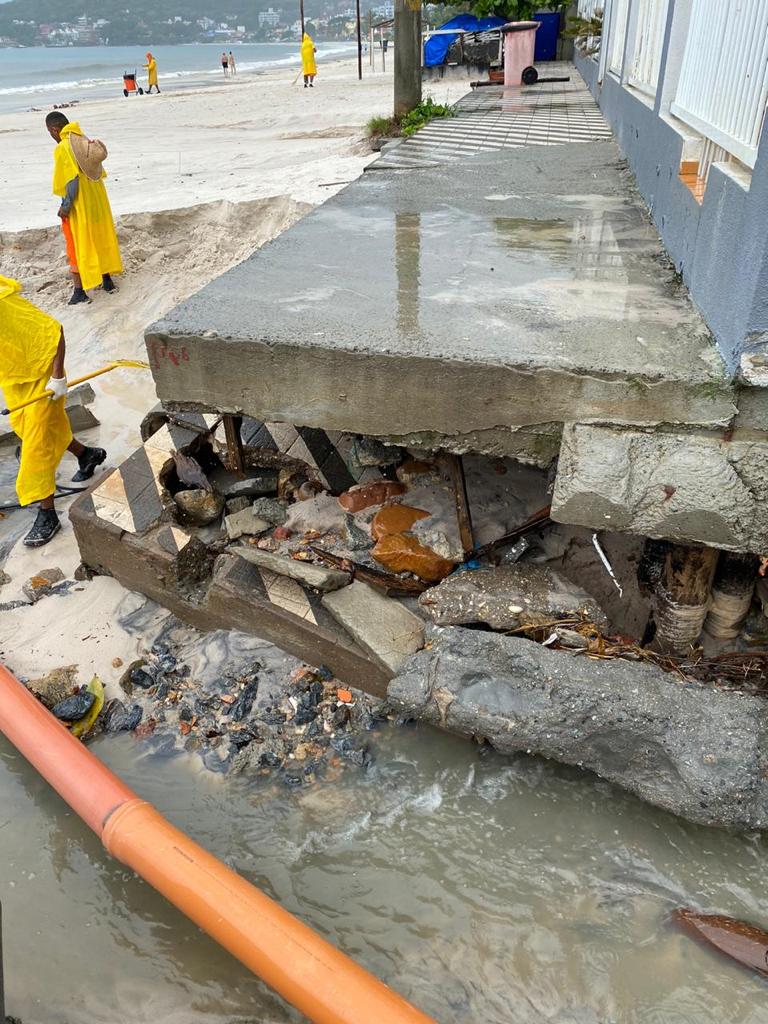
(512, 10)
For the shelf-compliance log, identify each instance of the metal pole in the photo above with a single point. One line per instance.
(301, 9)
(359, 44)
(2, 979)
(370, 39)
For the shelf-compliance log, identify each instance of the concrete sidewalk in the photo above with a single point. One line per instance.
(476, 304)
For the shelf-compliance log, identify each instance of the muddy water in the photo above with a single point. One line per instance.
(484, 889)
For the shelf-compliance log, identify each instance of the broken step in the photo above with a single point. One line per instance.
(318, 576)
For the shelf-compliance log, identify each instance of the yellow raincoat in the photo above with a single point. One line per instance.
(90, 218)
(308, 62)
(28, 342)
(151, 68)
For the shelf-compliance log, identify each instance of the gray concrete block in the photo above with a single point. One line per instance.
(318, 576)
(244, 524)
(383, 627)
(696, 751)
(684, 487)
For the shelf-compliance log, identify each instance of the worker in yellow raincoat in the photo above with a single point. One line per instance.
(151, 69)
(308, 62)
(32, 361)
(86, 216)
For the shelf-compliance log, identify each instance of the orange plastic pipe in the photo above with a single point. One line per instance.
(310, 973)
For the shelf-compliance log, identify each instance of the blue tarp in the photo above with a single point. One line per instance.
(436, 47)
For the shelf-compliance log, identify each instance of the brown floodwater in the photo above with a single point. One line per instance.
(485, 889)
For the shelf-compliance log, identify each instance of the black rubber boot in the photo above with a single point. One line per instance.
(108, 284)
(78, 296)
(88, 461)
(45, 527)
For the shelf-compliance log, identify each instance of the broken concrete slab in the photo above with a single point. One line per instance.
(239, 595)
(694, 487)
(381, 625)
(530, 284)
(509, 596)
(696, 751)
(244, 524)
(317, 576)
(42, 583)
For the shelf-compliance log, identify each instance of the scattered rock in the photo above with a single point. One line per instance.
(84, 573)
(322, 513)
(508, 596)
(4, 578)
(697, 751)
(73, 708)
(355, 536)
(147, 727)
(119, 718)
(55, 687)
(395, 519)
(318, 576)
(254, 483)
(400, 552)
(414, 471)
(441, 535)
(42, 583)
(238, 505)
(244, 524)
(241, 707)
(383, 626)
(270, 510)
(199, 507)
(369, 451)
(117, 663)
(282, 533)
(139, 676)
(357, 498)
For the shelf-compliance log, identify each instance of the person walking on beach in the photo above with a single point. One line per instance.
(224, 63)
(232, 65)
(308, 62)
(151, 68)
(86, 216)
(32, 351)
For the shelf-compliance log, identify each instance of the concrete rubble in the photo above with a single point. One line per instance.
(696, 751)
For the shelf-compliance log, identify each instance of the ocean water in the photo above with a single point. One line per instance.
(41, 76)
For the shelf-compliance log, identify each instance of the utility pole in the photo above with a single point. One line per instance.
(301, 9)
(359, 44)
(407, 55)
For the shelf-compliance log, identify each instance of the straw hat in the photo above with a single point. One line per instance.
(90, 155)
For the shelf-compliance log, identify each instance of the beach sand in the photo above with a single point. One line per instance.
(197, 181)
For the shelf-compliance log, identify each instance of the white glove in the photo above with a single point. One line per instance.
(58, 385)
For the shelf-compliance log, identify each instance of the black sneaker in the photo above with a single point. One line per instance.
(45, 527)
(108, 284)
(88, 461)
(78, 296)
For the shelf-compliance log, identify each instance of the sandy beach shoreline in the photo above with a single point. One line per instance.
(198, 179)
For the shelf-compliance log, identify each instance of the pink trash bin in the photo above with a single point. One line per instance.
(519, 46)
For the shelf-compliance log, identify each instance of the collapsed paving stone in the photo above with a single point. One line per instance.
(42, 584)
(680, 487)
(244, 524)
(509, 596)
(696, 751)
(382, 626)
(317, 576)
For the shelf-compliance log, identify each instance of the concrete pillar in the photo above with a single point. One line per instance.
(682, 596)
(407, 55)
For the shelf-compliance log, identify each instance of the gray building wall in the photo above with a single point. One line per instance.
(721, 247)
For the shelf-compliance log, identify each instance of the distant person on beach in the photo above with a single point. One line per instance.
(32, 354)
(232, 65)
(86, 216)
(151, 69)
(308, 62)
(224, 63)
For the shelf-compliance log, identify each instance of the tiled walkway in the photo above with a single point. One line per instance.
(494, 118)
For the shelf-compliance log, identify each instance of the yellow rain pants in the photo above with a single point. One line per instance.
(308, 63)
(90, 218)
(28, 342)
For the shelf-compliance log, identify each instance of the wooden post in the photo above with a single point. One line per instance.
(301, 11)
(232, 425)
(682, 595)
(455, 468)
(407, 55)
(732, 591)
